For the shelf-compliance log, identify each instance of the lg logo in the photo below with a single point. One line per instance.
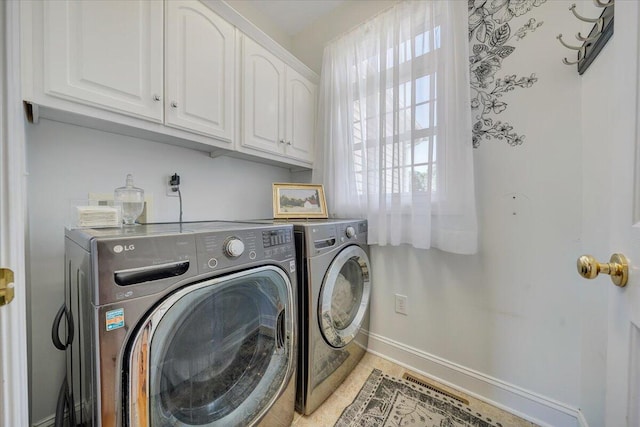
(119, 248)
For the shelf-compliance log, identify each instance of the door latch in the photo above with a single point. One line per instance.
(6, 286)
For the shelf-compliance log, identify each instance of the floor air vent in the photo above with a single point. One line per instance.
(432, 387)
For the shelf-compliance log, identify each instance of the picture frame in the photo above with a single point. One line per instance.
(291, 200)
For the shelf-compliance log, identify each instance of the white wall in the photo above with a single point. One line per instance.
(67, 162)
(515, 314)
(308, 44)
(245, 8)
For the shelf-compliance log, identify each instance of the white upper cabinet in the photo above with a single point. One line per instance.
(300, 117)
(181, 72)
(263, 104)
(278, 114)
(200, 71)
(105, 53)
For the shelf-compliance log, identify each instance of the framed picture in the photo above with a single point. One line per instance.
(299, 201)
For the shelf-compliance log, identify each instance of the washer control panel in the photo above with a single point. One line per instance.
(153, 257)
(233, 247)
(276, 237)
(220, 250)
(278, 243)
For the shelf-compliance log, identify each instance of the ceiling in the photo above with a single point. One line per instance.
(292, 16)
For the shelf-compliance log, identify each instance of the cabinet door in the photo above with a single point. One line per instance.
(263, 99)
(300, 116)
(200, 70)
(106, 54)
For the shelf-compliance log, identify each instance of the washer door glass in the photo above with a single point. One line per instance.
(221, 351)
(344, 297)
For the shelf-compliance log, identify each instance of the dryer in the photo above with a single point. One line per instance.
(334, 277)
(190, 324)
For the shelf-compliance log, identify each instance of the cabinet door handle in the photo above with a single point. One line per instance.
(174, 104)
(281, 141)
(156, 97)
(288, 142)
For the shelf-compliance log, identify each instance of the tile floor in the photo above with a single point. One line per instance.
(327, 414)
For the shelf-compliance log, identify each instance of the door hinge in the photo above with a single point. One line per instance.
(6, 286)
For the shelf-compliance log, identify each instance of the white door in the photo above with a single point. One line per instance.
(14, 408)
(200, 70)
(106, 54)
(301, 116)
(623, 349)
(612, 214)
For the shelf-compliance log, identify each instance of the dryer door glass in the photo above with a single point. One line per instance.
(344, 297)
(347, 294)
(220, 352)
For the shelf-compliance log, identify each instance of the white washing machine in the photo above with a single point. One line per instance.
(182, 325)
(334, 277)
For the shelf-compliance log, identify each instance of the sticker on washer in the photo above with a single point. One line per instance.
(292, 266)
(115, 319)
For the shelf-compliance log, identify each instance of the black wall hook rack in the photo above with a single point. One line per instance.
(597, 38)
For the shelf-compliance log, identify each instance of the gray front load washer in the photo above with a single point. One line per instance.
(334, 276)
(182, 325)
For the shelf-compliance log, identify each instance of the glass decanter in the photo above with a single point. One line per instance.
(131, 199)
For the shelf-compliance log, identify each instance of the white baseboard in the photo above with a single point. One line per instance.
(531, 406)
(582, 421)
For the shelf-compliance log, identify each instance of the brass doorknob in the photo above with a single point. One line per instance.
(617, 268)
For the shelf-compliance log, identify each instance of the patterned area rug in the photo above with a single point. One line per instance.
(385, 401)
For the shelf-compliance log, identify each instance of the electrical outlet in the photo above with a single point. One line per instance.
(401, 304)
(170, 192)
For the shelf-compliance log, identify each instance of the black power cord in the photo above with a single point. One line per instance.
(65, 401)
(174, 182)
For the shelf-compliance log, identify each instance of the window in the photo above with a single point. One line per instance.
(394, 127)
(408, 104)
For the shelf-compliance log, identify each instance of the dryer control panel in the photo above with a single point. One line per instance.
(326, 236)
(351, 231)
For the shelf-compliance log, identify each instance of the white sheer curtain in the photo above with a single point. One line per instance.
(394, 130)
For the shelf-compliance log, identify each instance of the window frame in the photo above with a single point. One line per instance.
(408, 71)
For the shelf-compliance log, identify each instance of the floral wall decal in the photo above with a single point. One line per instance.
(489, 35)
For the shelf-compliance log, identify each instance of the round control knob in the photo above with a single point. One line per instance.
(350, 231)
(233, 247)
